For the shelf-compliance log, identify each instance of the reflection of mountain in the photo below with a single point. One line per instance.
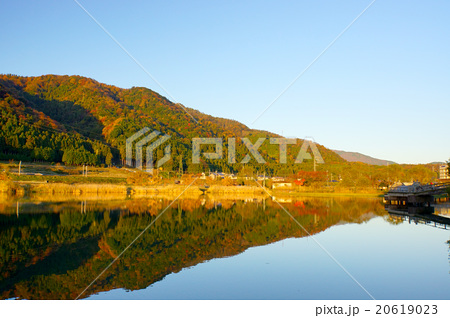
(55, 255)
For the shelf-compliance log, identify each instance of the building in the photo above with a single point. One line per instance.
(217, 175)
(282, 185)
(443, 172)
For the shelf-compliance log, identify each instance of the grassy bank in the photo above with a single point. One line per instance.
(112, 190)
(59, 179)
(67, 179)
(89, 188)
(25, 185)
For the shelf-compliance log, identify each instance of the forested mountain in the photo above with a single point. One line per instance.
(78, 120)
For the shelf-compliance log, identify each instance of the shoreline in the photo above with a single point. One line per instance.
(121, 190)
(335, 194)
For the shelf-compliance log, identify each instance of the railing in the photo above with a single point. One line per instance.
(419, 188)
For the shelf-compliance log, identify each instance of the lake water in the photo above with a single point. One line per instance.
(216, 248)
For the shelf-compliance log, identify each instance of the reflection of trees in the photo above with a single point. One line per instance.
(57, 254)
(393, 219)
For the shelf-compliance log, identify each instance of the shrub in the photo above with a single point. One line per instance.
(139, 178)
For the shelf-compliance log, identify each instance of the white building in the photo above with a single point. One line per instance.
(443, 172)
(282, 185)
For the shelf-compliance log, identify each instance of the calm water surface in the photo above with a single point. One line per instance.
(210, 248)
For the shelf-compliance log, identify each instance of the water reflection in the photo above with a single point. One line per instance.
(436, 216)
(54, 249)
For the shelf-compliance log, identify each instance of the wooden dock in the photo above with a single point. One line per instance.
(416, 194)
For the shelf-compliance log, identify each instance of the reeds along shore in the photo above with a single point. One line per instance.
(102, 192)
(81, 188)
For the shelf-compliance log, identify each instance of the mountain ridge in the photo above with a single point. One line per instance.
(95, 119)
(359, 157)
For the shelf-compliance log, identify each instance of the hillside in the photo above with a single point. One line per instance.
(78, 120)
(358, 157)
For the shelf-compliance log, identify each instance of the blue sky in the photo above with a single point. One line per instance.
(382, 89)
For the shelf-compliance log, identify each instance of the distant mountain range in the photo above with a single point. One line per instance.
(358, 157)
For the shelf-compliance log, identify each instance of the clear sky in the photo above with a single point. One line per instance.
(382, 89)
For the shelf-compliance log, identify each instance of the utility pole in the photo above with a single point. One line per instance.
(20, 165)
(264, 180)
(388, 176)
